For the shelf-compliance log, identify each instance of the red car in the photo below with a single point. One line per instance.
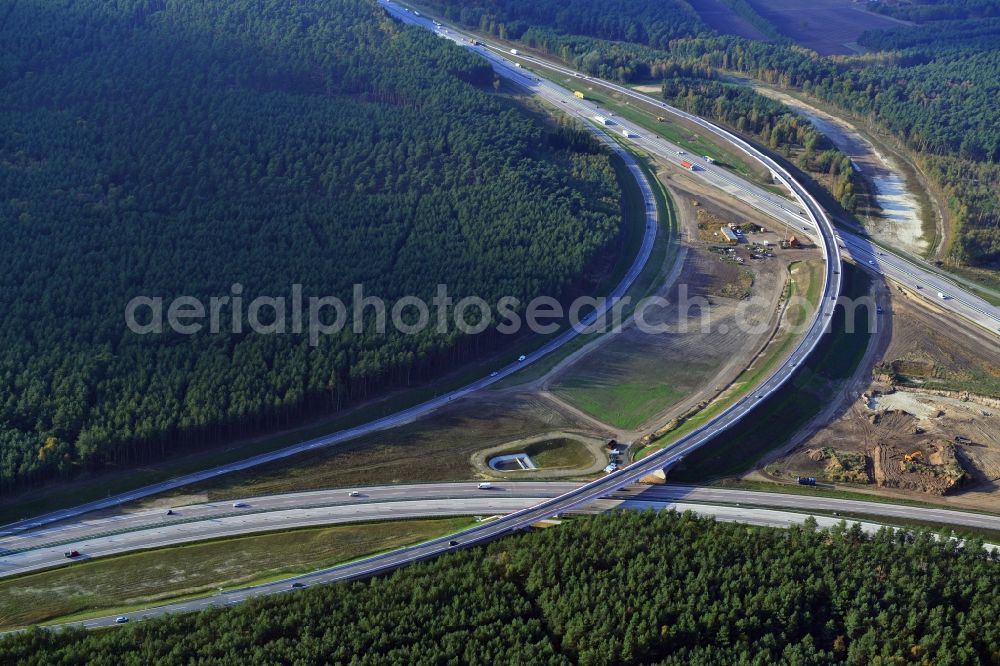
(72, 553)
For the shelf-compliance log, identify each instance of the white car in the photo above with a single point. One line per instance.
(485, 485)
(354, 493)
(521, 357)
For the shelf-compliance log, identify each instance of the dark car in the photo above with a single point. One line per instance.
(452, 543)
(72, 553)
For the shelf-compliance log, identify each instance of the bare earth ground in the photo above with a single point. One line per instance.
(721, 17)
(829, 27)
(931, 432)
(900, 222)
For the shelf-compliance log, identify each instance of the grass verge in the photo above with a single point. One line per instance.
(622, 405)
(554, 453)
(136, 580)
(673, 131)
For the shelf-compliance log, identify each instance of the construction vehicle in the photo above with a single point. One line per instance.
(913, 457)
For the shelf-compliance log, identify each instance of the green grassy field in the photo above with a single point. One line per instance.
(625, 405)
(129, 581)
(806, 282)
(559, 453)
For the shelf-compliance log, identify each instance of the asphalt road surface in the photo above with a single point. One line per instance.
(750, 507)
(108, 535)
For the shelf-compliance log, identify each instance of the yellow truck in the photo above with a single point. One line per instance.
(579, 94)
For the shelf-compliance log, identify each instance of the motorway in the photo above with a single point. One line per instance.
(922, 280)
(578, 496)
(110, 535)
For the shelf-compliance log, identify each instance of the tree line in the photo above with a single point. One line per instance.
(618, 588)
(168, 149)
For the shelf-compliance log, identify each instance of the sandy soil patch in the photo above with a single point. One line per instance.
(899, 222)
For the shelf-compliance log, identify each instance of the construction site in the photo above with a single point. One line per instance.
(924, 421)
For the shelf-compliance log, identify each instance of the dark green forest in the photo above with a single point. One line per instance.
(176, 148)
(932, 86)
(622, 588)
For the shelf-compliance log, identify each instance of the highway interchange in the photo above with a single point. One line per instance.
(589, 492)
(28, 542)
